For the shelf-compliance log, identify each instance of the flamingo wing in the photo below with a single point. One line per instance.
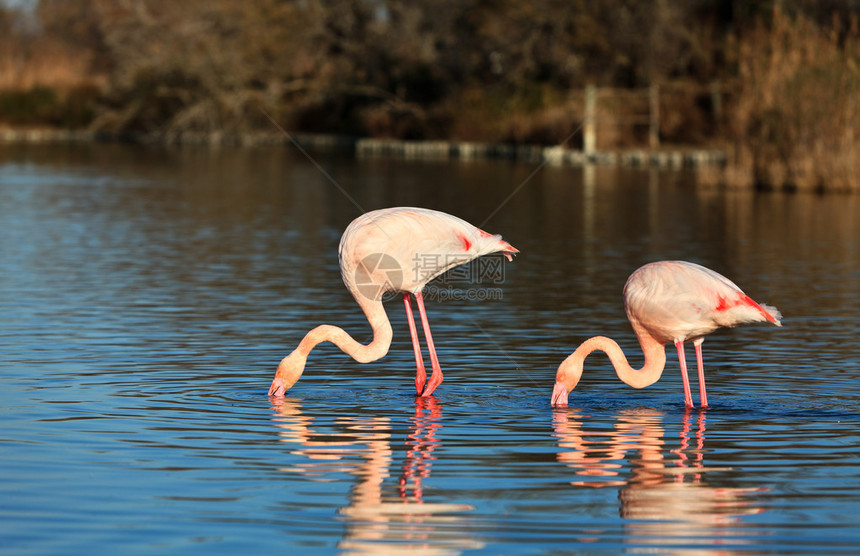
(678, 300)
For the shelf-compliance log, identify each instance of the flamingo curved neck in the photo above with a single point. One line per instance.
(293, 365)
(376, 349)
(570, 371)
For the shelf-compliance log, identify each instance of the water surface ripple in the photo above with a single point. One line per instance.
(147, 296)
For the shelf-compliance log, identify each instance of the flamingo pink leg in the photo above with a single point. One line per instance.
(688, 397)
(702, 395)
(436, 377)
(420, 374)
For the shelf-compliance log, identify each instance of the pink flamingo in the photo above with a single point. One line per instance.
(401, 250)
(667, 301)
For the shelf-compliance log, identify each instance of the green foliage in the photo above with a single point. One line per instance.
(44, 106)
(25, 107)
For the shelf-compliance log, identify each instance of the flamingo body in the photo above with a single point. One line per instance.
(400, 250)
(423, 244)
(678, 300)
(668, 301)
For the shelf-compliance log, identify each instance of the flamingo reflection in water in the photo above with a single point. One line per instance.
(379, 517)
(665, 499)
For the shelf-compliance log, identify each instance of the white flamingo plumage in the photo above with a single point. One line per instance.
(668, 301)
(397, 249)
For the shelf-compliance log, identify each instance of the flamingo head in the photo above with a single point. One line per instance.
(566, 378)
(289, 371)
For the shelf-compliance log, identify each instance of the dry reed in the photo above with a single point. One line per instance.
(796, 117)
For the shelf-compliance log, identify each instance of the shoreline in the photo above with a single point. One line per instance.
(667, 157)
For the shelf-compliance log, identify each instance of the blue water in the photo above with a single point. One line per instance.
(147, 295)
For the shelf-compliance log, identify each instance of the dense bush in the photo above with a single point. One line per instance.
(777, 81)
(796, 119)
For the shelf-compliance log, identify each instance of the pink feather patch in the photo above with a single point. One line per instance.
(466, 243)
(724, 304)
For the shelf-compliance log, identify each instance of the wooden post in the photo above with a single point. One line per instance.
(589, 140)
(588, 208)
(716, 101)
(654, 112)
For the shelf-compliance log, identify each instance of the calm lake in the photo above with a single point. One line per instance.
(147, 296)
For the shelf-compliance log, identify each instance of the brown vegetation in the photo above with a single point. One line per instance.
(778, 88)
(796, 115)
(43, 80)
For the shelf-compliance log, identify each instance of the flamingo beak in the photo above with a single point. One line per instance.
(508, 250)
(559, 395)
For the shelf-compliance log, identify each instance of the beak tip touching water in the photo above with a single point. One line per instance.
(278, 388)
(559, 395)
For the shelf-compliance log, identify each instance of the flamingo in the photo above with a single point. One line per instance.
(393, 250)
(667, 301)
